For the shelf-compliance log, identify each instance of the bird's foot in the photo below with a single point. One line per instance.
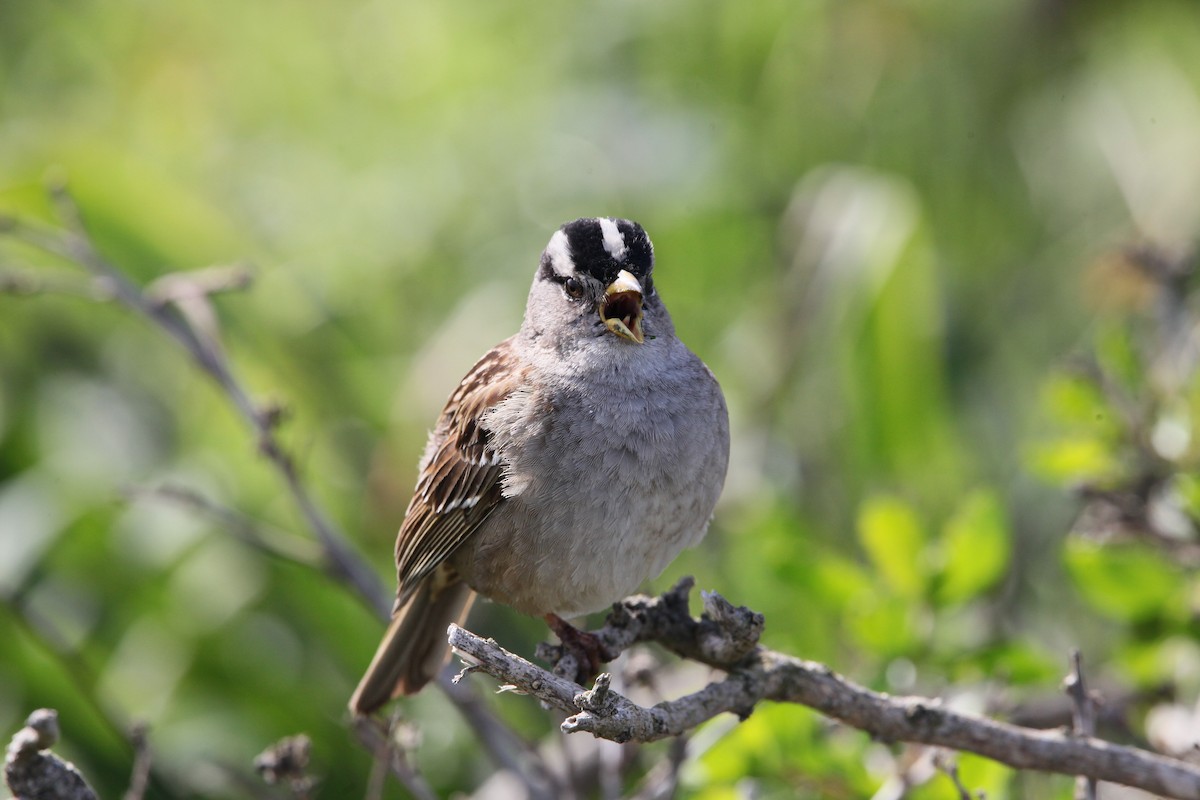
(581, 653)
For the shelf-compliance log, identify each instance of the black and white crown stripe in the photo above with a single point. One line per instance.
(614, 240)
(558, 252)
(599, 247)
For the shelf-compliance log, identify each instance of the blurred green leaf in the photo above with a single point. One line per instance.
(881, 310)
(1014, 663)
(1071, 400)
(882, 626)
(1172, 661)
(1083, 438)
(1117, 353)
(1069, 460)
(1187, 485)
(785, 749)
(1128, 582)
(938, 787)
(975, 547)
(984, 777)
(723, 792)
(840, 580)
(893, 537)
(980, 776)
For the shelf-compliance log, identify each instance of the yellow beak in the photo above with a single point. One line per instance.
(621, 308)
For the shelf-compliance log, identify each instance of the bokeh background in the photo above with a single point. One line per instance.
(885, 226)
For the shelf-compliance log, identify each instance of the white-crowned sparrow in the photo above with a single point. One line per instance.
(574, 461)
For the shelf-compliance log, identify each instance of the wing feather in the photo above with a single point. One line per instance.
(460, 482)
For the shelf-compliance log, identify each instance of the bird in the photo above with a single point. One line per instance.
(574, 461)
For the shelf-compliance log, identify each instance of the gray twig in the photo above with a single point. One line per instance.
(662, 781)
(20, 281)
(1084, 718)
(286, 762)
(42, 631)
(31, 770)
(263, 537)
(178, 306)
(180, 287)
(140, 779)
(380, 741)
(508, 749)
(946, 763)
(765, 674)
(74, 245)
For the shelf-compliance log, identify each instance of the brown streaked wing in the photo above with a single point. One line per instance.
(460, 486)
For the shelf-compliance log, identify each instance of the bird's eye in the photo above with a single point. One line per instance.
(574, 288)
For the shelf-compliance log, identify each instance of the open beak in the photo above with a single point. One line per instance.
(621, 308)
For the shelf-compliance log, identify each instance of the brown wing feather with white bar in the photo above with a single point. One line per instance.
(460, 483)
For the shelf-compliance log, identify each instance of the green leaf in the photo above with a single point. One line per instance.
(882, 626)
(1127, 582)
(979, 775)
(1071, 400)
(975, 547)
(891, 533)
(1014, 663)
(1117, 352)
(984, 776)
(776, 742)
(1070, 459)
(839, 581)
(1187, 486)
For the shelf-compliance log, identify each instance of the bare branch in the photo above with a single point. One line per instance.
(948, 765)
(29, 282)
(44, 634)
(765, 674)
(1084, 718)
(286, 762)
(508, 750)
(75, 246)
(180, 287)
(260, 536)
(662, 781)
(140, 779)
(179, 305)
(31, 770)
(379, 740)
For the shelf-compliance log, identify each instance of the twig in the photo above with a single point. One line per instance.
(508, 749)
(946, 763)
(610, 760)
(765, 674)
(48, 639)
(29, 282)
(662, 781)
(286, 762)
(1084, 718)
(75, 246)
(31, 770)
(179, 287)
(166, 306)
(43, 634)
(380, 742)
(376, 780)
(269, 540)
(140, 778)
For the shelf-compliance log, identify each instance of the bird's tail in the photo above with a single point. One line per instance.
(414, 647)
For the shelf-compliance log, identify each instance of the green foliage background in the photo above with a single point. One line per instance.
(883, 225)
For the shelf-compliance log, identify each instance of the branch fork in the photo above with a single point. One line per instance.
(726, 637)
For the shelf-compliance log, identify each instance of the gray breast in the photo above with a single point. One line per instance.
(608, 479)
